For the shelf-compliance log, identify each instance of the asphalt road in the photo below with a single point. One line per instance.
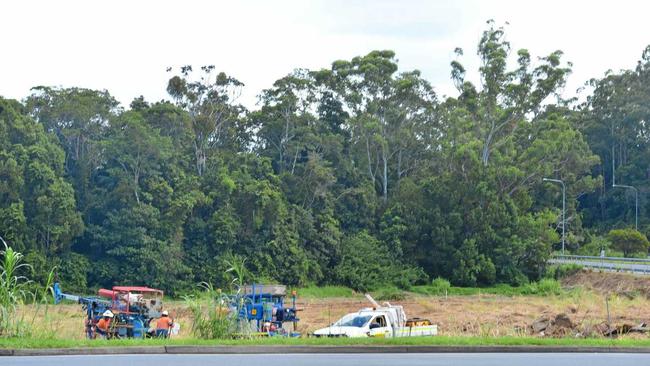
(609, 266)
(374, 359)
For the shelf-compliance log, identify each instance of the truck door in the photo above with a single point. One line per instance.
(379, 327)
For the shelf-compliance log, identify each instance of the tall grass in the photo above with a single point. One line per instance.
(442, 287)
(319, 292)
(211, 313)
(216, 314)
(15, 292)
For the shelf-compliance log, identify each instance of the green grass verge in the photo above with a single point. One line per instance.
(439, 287)
(320, 292)
(415, 341)
(544, 287)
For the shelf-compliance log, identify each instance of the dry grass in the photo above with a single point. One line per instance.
(476, 315)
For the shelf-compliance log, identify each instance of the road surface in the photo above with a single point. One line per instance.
(374, 359)
(608, 266)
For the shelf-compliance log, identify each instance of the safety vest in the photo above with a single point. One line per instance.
(103, 324)
(164, 323)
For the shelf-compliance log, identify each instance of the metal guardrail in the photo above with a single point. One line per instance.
(639, 267)
(609, 259)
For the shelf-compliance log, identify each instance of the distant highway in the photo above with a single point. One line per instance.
(357, 359)
(607, 265)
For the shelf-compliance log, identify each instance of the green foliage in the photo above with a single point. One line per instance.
(560, 271)
(320, 292)
(211, 315)
(545, 287)
(15, 290)
(366, 264)
(440, 287)
(440, 340)
(629, 241)
(595, 245)
(390, 293)
(356, 175)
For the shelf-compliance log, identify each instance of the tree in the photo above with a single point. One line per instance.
(614, 122)
(506, 97)
(37, 205)
(137, 149)
(629, 241)
(392, 115)
(209, 101)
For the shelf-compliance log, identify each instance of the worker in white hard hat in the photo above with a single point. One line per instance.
(163, 325)
(104, 323)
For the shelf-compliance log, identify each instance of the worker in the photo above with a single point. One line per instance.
(104, 323)
(163, 325)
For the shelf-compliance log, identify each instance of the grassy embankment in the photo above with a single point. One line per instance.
(439, 287)
(414, 341)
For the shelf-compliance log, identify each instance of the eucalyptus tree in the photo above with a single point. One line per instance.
(390, 114)
(211, 101)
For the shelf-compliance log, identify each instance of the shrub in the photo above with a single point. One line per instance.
(390, 293)
(546, 286)
(366, 264)
(629, 241)
(561, 271)
(440, 286)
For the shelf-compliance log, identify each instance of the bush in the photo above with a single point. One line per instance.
(560, 271)
(391, 293)
(629, 241)
(594, 247)
(546, 286)
(440, 286)
(325, 291)
(366, 264)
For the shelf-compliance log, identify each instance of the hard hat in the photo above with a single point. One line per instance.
(165, 313)
(108, 313)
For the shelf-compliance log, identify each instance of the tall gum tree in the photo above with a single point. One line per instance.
(211, 103)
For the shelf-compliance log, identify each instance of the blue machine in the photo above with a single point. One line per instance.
(264, 306)
(93, 306)
(133, 323)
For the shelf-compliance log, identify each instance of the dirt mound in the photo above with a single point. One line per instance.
(609, 283)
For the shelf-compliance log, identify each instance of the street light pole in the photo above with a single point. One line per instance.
(636, 202)
(563, 206)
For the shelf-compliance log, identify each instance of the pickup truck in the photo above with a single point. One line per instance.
(379, 321)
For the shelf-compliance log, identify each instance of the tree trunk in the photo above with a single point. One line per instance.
(384, 176)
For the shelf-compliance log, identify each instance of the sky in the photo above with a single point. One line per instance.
(126, 46)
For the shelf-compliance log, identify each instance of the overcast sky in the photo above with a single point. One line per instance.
(125, 46)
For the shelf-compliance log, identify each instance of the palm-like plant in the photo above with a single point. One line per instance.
(13, 291)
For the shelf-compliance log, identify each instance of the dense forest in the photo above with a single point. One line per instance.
(358, 174)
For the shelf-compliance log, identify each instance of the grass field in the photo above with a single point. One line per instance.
(414, 341)
(500, 315)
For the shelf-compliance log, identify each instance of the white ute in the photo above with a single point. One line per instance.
(379, 321)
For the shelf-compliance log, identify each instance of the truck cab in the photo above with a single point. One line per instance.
(379, 321)
(365, 323)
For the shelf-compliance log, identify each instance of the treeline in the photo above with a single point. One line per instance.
(357, 174)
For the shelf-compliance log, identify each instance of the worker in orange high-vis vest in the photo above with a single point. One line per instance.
(163, 325)
(104, 323)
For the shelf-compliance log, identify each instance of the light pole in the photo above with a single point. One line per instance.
(563, 205)
(636, 202)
